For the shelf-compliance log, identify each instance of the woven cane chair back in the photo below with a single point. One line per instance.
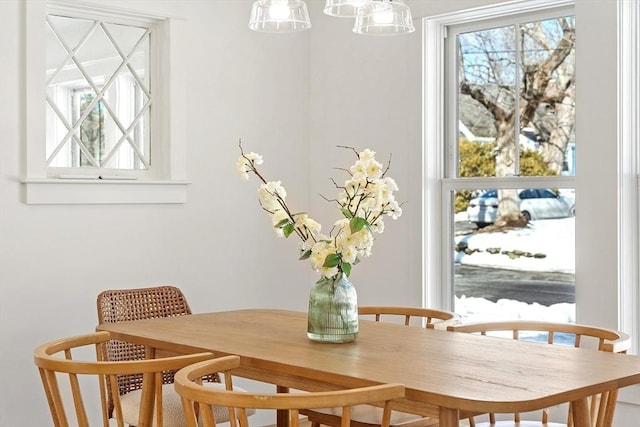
(119, 305)
(197, 400)
(70, 383)
(601, 406)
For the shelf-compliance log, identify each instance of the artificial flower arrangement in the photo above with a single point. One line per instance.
(364, 199)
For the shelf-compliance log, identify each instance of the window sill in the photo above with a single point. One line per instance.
(52, 191)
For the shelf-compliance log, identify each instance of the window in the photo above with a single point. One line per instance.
(616, 278)
(98, 95)
(504, 181)
(110, 130)
(515, 97)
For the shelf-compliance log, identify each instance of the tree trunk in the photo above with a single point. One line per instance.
(555, 149)
(509, 207)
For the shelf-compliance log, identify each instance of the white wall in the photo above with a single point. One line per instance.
(361, 99)
(292, 98)
(218, 247)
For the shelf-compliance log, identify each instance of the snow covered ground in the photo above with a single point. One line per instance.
(553, 238)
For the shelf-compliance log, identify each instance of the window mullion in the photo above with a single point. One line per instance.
(516, 127)
(508, 182)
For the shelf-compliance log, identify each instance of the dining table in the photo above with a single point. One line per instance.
(448, 375)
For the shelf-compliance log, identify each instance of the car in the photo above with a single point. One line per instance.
(535, 203)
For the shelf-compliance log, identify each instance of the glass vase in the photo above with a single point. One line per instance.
(333, 311)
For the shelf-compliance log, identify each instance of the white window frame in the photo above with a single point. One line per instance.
(436, 280)
(629, 178)
(166, 181)
(438, 229)
(437, 267)
(629, 166)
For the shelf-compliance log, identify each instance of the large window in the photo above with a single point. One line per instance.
(606, 248)
(504, 194)
(511, 119)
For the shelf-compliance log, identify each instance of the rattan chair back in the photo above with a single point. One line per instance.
(198, 400)
(602, 406)
(119, 305)
(71, 393)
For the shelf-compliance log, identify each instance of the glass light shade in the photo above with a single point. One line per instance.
(372, 19)
(279, 16)
(344, 8)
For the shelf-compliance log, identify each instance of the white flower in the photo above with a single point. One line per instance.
(366, 154)
(272, 195)
(366, 246)
(349, 254)
(355, 186)
(363, 201)
(390, 183)
(246, 164)
(341, 225)
(394, 210)
(374, 169)
(377, 226)
(368, 204)
(306, 222)
(366, 166)
(276, 188)
(278, 216)
(359, 170)
(319, 253)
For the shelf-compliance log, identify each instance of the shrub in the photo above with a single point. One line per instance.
(532, 164)
(478, 159)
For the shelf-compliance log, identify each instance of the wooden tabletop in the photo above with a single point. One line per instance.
(446, 374)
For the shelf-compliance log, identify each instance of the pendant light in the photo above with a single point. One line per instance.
(384, 17)
(343, 8)
(372, 17)
(279, 16)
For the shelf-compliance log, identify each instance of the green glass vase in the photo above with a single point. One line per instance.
(333, 311)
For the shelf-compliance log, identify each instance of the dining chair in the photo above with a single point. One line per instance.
(120, 305)
(197, 400)
(70, 373)
(367, 416)
(428, 317)
(601, 406)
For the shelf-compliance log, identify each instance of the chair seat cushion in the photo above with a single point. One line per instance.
(367, 414)
(172, 412)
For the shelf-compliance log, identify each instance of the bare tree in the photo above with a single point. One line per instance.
(524, 77)
(549, 102)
